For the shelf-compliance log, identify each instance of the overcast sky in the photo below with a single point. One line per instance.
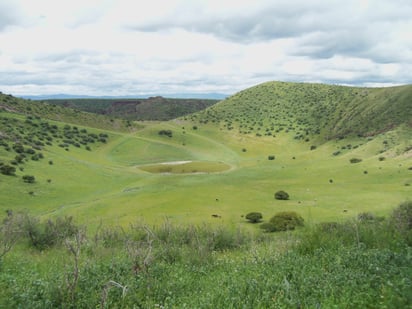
(131, 47)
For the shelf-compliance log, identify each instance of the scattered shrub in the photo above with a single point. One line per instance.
(271, 157)
(286, 220)
(254, 217)
(168, 133)
(401, 220)
(355, 160)
(268, 227)
(7, 170)
(29, 178)
(281, 195)
(283, 221)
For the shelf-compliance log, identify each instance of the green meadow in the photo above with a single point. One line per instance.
(197, 173)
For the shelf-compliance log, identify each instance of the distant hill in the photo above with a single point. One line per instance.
(309, 110)
(153, 108)
(211, 96)
(62, 114)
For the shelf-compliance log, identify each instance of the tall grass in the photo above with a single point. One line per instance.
(361, 263)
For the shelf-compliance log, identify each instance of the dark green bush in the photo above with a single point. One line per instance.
(271, 157)
(7, 170)
(268, 227)
(286, 220)
(168, 133)
(281, 195)
(254, 217)
(29, 178)
(355, 160)
(401, 220)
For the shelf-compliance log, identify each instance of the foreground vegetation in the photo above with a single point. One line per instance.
(364, 262)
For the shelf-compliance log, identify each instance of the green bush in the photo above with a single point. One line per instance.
(254, 217)
(7, 170)
(401, 220)
(271, 157)
(355, 160)
(29, 178)
(281, 195)
(286, 220)
(268, 227)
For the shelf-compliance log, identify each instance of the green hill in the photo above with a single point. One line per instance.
(311, 111)
(108, 213)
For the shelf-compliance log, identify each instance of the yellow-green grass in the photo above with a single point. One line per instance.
(108, 184)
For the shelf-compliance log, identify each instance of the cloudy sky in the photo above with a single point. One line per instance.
(134, 47)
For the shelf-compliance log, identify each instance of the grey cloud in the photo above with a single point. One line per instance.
(9, 15)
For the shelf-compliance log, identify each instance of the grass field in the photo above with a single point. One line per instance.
(225, 173)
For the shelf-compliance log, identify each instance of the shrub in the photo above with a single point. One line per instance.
(254, 217)
(7, 170)
(286, 220)
(268, 227)
(355, 160)
(168, 133)
(281, 195)
(29, 178)
(271, 157)
(401, 220)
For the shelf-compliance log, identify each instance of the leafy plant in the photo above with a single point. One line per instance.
(254, 217)
(281, 195)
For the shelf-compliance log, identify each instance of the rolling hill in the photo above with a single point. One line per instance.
(313, 110)
(213, 162)
(105, 212)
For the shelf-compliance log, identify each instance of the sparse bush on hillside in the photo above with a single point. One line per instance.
(355, 160)
(283, 221)
(7, 170)
(281, 195)
(254, 217)
(29, 178)
(271, 157)
(168, 133)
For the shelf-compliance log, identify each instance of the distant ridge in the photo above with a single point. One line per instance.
(212, 96)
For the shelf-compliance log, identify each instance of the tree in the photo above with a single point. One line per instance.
(254, 217)
(281, 195)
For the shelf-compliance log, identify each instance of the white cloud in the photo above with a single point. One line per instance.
(123, 47)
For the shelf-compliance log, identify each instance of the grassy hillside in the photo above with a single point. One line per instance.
(312, 111)
(62, 114)
(99, 212)
(120, 177)
(153, 108)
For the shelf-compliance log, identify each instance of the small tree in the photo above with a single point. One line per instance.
(281, 195)
(271, 157)
(254, 217)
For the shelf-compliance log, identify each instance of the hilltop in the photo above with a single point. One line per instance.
(312, 111)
